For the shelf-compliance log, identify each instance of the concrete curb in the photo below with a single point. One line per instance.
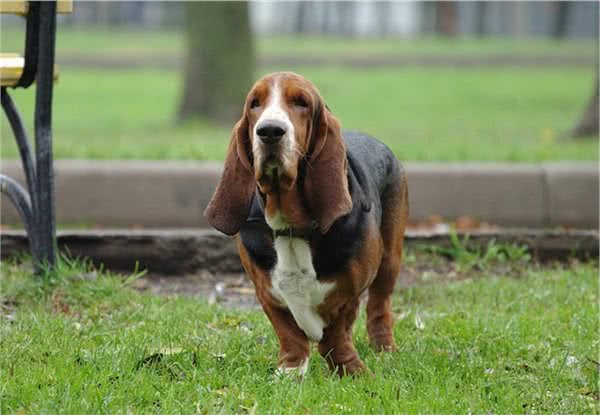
(181, 251)
(174, 194)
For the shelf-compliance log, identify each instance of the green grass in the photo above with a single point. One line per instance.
(489, 114)
(491, 345)
(469, 258)
(126, 42)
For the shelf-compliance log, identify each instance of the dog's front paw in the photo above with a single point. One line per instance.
(354, 367)
(295, 372)
(384, 344)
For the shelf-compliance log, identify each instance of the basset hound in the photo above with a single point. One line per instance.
(320, 217)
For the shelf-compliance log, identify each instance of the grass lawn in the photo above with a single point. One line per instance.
(117, 41)
(489, 114)
(488, 345)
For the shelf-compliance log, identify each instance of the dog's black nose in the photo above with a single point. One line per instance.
(270, 132)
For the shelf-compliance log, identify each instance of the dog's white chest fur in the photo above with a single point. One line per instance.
(294, 283)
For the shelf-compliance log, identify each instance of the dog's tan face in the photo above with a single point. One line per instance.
(284, 122)
(280, 109)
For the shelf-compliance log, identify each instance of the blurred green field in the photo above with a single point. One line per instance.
(505, 114)
(493, 114)
(127, 41)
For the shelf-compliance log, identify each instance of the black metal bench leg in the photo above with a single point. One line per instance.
(20, 199)
(37, 208)
(43, 133)
(18, 196)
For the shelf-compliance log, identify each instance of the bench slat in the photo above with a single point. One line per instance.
(11, 68)
(21, 7)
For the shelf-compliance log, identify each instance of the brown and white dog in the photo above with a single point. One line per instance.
(320, 217)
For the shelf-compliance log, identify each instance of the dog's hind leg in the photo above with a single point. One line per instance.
(380, 320)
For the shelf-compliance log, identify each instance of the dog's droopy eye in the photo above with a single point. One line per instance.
(255, 103)
(300, 102)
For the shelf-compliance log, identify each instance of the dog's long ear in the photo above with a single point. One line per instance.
(230, 204)
(326, 181)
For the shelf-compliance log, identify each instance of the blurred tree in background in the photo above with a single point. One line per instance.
(220, 60)
(446, 18)
(588, 124)
(561, 18)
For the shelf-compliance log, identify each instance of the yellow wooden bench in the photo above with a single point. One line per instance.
(22, 7)
(12, 64)
(11, 68)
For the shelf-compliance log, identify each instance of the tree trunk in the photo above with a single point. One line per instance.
(446, 18)
(560, 19)
(325, 17)
(382, 13)
(302, 17)
(519, 18)
(220, 60)
(480, 13)
(588, 124)
(346, 17)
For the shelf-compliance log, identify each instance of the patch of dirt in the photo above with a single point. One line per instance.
(230, 290)
(237, 291)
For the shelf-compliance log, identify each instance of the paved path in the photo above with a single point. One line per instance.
(175, 60)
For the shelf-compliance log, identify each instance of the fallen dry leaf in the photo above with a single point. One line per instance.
(466, 222)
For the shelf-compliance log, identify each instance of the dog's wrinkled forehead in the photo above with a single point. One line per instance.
(280, 86)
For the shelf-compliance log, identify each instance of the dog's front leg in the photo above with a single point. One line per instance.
(294, 348)
(337, 347)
